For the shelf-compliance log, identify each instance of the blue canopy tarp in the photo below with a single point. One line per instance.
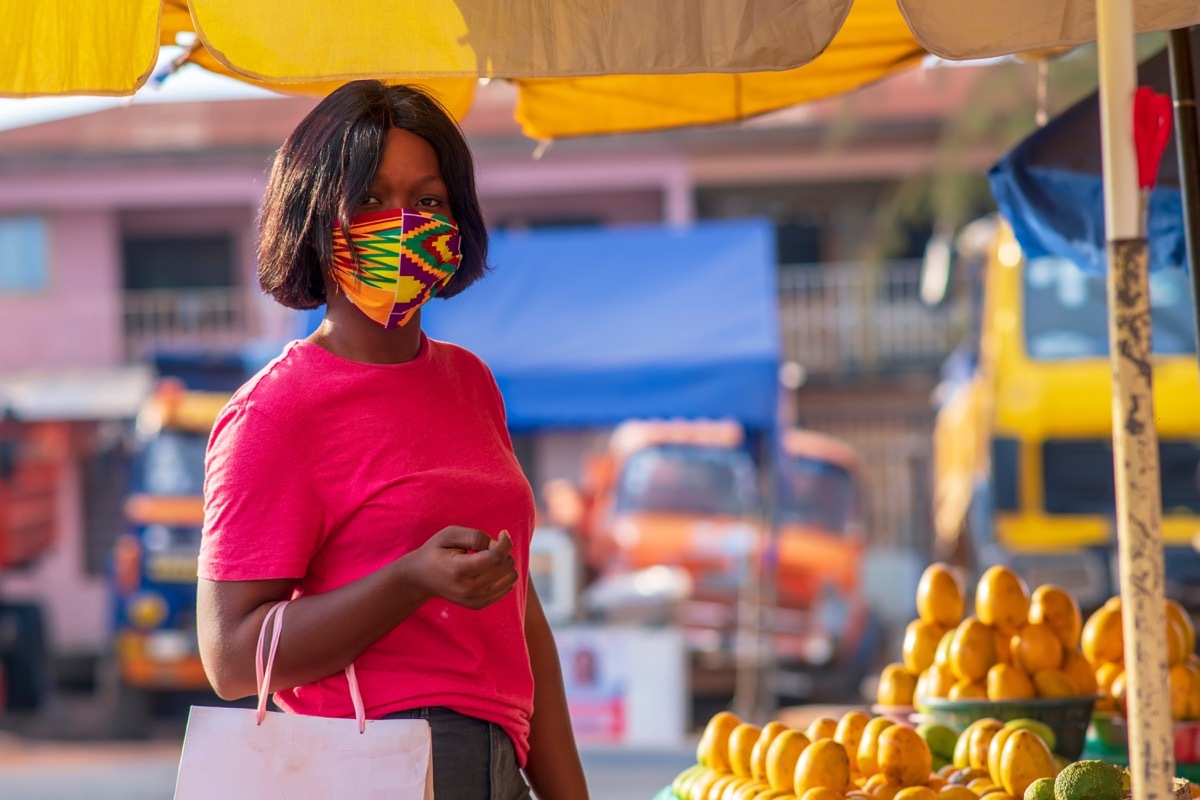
(1050, 191)
(588, 327)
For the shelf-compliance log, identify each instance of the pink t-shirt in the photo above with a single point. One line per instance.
(324, 470)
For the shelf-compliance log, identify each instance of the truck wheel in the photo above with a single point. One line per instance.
(24, 658)
(133, 712)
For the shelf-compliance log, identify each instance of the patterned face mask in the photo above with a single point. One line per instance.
(405, 257)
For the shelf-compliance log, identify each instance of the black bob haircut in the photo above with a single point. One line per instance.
(323, 171)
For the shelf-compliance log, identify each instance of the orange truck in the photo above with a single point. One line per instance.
(32, 457)
(688, 495)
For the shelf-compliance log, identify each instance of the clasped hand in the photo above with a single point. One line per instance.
(466, 566)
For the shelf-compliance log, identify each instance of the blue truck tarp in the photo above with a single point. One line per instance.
(1049, 188)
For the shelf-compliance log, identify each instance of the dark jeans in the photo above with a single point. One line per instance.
(472, 759)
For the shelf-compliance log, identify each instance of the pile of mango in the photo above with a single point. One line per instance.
(1015, 646)
(1104, 647)
(858, 757)
(861, 757)
(1011, 755)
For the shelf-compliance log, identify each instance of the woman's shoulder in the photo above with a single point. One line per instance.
(278, 382)
(458, 357)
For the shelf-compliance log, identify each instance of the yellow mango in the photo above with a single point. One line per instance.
(849, 734)
(977, 743)
(896, 686)
(1036, 647)
(996, 751)
(741, 744)
(821, 728)
(1006, 682)
(713, 749)
(1053, 683)
(972, 650)
(1002, 599)
(825, 764)
(1057, 608)
(940, 596)
(1079, 672)
(904, 757)
(758, 753)
(1025, 758)
(868, 746)
(1103, 635)
(782, 756)
(962, 748)
(920, 644)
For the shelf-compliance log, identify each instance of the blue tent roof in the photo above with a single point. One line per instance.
(589, 327)
(1049, 186)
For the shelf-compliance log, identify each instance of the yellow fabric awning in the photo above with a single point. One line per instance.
(584, 67)
(874, 43)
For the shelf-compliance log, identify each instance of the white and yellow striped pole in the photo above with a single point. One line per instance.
(1135, 439)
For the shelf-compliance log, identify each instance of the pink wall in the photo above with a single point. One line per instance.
(75, 321)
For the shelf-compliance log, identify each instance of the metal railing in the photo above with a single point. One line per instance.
(193, 317)
(854, 318)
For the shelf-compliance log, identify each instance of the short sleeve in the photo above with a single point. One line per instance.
(262, 514)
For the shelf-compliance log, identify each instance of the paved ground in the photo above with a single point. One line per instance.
(32, 770)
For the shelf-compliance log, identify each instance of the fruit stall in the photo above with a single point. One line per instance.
(1021, 699)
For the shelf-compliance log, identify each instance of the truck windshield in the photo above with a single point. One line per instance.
(1066, 311)
(690, 479)
(172, 463)
(817, 493)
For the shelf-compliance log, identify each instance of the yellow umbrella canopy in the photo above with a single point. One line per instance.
(580, 68)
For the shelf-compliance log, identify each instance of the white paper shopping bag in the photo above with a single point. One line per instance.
(247, 754)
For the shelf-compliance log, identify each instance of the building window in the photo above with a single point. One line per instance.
(23, 254)
(179, 262)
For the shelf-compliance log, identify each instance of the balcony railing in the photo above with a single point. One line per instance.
(191, 317)
(854, 318)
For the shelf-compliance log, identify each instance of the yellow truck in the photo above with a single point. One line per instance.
(1023, 467)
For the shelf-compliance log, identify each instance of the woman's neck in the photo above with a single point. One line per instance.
(348, 333)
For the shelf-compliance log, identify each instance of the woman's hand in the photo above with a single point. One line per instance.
(465, 566)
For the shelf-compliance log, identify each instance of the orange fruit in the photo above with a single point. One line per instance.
(916, 793)
(1103, 635)
(1177, 642)
(938, 680)
(1053, 683)
(969, 690)
(1006, 682)
(1037, 647)
(1176, 612)
(921, 640)
(1002, 599)
(1179, 684)
(904, 757)
(896, 686)
(940, 597)
(1080, 673)
(1105, 675)
(821, 728)
(972, 650)
(1058, 609)
(1119, 692)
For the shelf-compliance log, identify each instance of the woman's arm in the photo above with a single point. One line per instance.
(553, 766)
(326, 632)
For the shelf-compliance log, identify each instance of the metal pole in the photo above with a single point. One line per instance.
(1183, 91)
(1135, 440)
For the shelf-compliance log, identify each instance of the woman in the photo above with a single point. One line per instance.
(367, 471)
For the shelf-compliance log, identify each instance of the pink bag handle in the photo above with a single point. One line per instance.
(263, 674)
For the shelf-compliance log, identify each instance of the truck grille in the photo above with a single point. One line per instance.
(1077, 476)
